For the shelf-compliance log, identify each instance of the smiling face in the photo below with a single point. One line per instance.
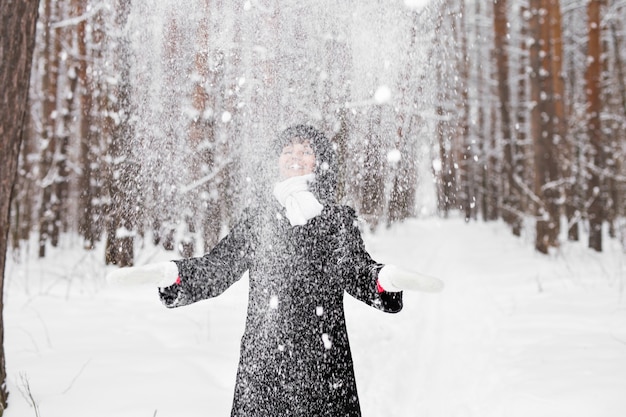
(297, 158)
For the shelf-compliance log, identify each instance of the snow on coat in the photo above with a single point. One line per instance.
(295, 356)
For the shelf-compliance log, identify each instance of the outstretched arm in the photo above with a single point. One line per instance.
(210, 275)
(360, 271)
(186, 281)
(376, 284)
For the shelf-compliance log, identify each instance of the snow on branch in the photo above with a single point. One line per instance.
(205, 179)
(77, 19)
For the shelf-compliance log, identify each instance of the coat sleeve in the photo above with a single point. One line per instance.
(210, 275)
(360, 270)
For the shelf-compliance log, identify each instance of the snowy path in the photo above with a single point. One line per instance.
(514, 334)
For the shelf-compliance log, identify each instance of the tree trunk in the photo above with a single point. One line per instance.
(615, 191)
(17, 39)
(572, 170)
(551, 188)
(540, 147)
(200, 135)
(520, 164)
(610, 130)
(341, 141)
(467, 196)
(480, 74)
(373, 189)
(446, 175)
(88, 218)
(122, 179)
(445, 171)
(404, 183)
(512, 193)
(559, 118)
(49, 137)
(592, 77)
(24, 198)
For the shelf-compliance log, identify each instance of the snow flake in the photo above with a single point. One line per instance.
(226, 117)
(327, 342)
(382, 94)
(336, 384)
(122, 233)
(207, 114)
(319, 310)
(416, 4)
(394, 156)
(273, 302)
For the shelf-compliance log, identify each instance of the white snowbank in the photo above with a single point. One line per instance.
(515, 333)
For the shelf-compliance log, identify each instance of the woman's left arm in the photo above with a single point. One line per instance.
(361, 271)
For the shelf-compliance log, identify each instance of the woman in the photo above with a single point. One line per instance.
(303, 251)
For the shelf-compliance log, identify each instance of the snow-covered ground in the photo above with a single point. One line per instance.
(514, 334)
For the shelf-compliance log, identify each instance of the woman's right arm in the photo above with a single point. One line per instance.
(210, 275)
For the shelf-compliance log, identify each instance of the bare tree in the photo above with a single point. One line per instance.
(594, 106)
(512, 206)
(16, 51)
(559, 118)
(408, 122)
(466, 197)
(542, 130)
(92, 98)
(122, 178)
(49, 138)
(373, 186)
(524, 150)
(447, 166)
(207, 198)
(614, 114)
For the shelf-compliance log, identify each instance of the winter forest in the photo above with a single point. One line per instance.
(153, 119)
(150, 123)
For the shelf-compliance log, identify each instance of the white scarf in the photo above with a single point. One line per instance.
(299, 203)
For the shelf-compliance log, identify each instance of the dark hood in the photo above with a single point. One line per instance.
(326, 162)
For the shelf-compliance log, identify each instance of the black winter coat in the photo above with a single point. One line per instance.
(295, 355)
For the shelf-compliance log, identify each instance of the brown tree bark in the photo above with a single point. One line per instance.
(122, 176)
(562, 141)
(537, 128)
(49, 139)
(611, 130)
(550, 223)
(512, 193)
(520, 164)
(481, 75)
(17, 37)
(446, 172)
(593, 76)
(466, 198)
(373, 188)
(446, 175)
(572, 171)
(23, 201)
(616, 190)
(404, 182)
(89, 218)
(201, 132)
